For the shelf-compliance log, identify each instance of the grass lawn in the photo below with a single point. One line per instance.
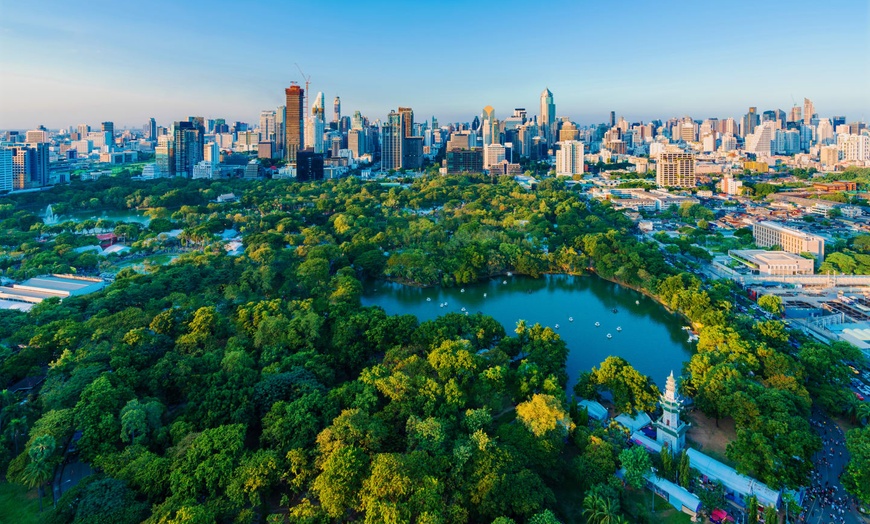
(18, 505)
(637, 505)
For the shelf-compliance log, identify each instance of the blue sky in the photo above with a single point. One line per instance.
(64, 63)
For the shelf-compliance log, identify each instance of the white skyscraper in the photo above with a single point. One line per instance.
(314, 133)
(824, 132)
(760, 140)
(5, 170)
(569, 158)
(493, 154)
(211, 153)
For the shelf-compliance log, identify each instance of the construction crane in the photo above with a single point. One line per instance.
(307, 81)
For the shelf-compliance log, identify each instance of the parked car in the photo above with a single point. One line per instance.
(860, 396)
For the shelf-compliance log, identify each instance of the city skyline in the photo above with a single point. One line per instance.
(643, 64)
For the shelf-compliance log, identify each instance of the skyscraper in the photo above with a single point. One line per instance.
(407, 121)
(108, 127)
(486, 130)
(750, 120)
(548, 115)
(336, 110)
(612, 118)
(267, 126)
(392, 141)
(293, 122)
(569, 158)
(809, 111)
(675, 168)
(152, 129)
(5, 169)
(189, 146)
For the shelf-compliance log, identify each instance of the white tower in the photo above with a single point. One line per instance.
(670, 429)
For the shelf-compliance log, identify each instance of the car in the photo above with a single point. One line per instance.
(858, 395)
(855, 371)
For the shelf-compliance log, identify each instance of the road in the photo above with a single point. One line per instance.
(827, 500)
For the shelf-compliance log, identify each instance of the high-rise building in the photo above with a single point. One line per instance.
(613, 119)
(760, 141)
(293, 122)
(795, 114)
(280, 133)
(152, 130)
(29, 166)
(569, 158)
(392, 141)
(357, 121)
(318, 109)
(84, 129)
(6, 177)
(36, 136)
(750, 121)
(493, 154)
(407, 121)
(189, 146)
(464, 161)
(854, 147)
(164, 155)
(809, 111)
(267, 126)
(309, 166)
(108, 127)
(314, 127)
(568, 132)
(336, 110)
(675, 168)
(548, 115)
(211, 153)
(412, 152)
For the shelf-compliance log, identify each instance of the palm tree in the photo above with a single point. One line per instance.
(39, 470)
(600, 510)
(862, 412)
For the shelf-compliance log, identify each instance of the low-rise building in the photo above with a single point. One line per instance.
(773, 262)
(768, 234)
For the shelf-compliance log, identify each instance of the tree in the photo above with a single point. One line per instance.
(712, 498)
(544, 415)
(752, 509)
(600, 510)
(637, 463)
(631, 390)
(39, 470)
(856, 478)
(771, 303)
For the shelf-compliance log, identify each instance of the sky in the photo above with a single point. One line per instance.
(65, 63)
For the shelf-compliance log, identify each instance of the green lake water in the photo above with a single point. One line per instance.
(651, 339)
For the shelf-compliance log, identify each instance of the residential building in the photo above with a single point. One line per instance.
(267, 126)
(750, 121)
(675, 168)
(730, 185)
(854, 147)
(6, 177)
(760, 141)
(493, 154)
(37, 136)
(392, 141)
(768, 234)
(189, 144)
(809, 111)
(569, 158)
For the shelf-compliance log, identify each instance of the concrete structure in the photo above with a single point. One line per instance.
(548, 115)
(670, 430)
(773, 262)
(569, 158)
(6, 170)
(493, 154)
(731, 186)
(293, 115)
(675, 169)
(392, 141)
(33, 291)
(464, 161)
(768, 234)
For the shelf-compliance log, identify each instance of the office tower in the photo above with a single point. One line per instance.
(164, 155)
(151, 129)
(357, 121)
(568, 132)
(730, 126)
(824, 132)
(280, 133)
(809, 111)
(314, 128)
(6, 177)
(569, 158)
(309, 166)
(84, 129)
(108, 127)
(336, 110)
(392, 141)
(493, 154)
(612, 118)
(750, 121)
(675, 168)
(267, 125)
(356, 142)
(768, 116)
(759, 142)
(795, 114)
(464, 161)
(837, 121)
(211, 153)
(293, 122)
(29, 166)
(36, 136)
(407, 121)
(548, 115)
(318, 108)
(189, 146)
(486, 127)
(412, 152)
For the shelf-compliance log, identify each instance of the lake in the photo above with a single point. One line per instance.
(651, 338)
(114, 216)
